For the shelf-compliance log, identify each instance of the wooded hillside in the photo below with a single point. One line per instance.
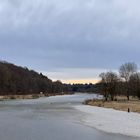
(18, 80)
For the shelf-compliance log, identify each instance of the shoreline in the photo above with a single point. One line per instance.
(110, 120)
(29, 96)
(133, 105)
(112, 116)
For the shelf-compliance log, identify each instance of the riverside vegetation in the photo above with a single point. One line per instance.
(121, 92)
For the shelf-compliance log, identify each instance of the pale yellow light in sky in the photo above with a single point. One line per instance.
(80, 81)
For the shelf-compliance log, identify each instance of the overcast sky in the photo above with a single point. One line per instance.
(70, 39)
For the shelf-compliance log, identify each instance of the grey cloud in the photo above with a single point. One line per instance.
(56, 34)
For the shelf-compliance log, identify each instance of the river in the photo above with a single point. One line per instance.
(52, 118)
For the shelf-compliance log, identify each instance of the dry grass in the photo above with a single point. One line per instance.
(31, 96)
(10, 97)
(120, 104)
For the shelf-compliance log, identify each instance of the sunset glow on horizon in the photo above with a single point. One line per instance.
(81, 81)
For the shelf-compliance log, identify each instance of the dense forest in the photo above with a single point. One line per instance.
(18, 80)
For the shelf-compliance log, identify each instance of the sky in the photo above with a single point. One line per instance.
(70, 40)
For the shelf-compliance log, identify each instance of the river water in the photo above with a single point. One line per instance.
(52, 118)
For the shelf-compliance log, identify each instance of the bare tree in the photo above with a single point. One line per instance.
(109, 82)
(126, 70)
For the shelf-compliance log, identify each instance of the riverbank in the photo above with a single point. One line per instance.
(29, 96)
(14, 97)
(120, 104)
(110, 120)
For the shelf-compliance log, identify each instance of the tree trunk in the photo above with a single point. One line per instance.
(112, 98)
(128, 97)
(127, 86)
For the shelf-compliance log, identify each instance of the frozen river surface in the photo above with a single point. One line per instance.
(52, 118)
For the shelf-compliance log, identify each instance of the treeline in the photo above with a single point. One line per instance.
(90, 88)
(127, 82)
(18, 80)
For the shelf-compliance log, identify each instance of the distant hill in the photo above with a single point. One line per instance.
(20, 80)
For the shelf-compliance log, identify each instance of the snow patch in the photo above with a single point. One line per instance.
(110, 120)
